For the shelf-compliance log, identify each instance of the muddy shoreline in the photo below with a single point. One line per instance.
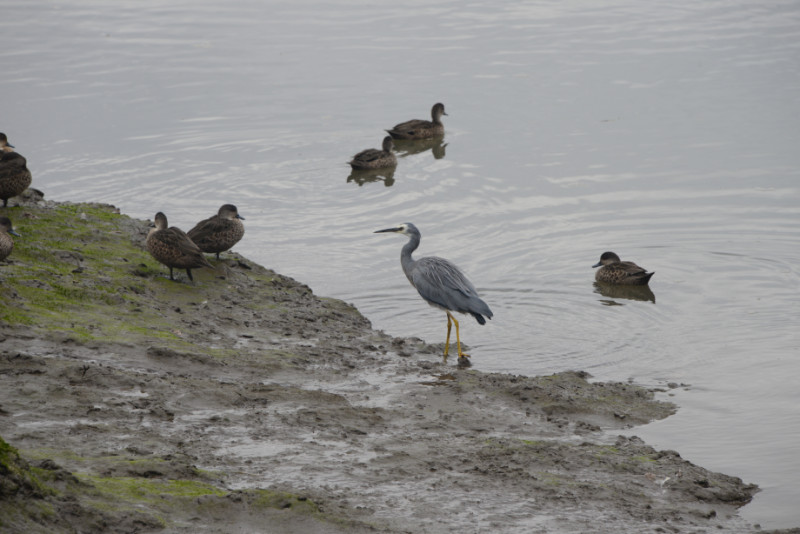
(245, 403)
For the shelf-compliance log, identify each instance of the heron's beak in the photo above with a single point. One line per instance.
(598, 264)
(397, 229)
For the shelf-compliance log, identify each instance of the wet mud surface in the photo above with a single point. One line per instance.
(245, 403)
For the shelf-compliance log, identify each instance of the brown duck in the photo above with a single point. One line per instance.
(6, 243)
(372, 158)
(14, 174)
(420, 129)
(614, 271)
(5, 146)
(220, 232)
(173, 248)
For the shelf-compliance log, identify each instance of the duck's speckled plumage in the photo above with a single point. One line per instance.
(420, 129)
(220, 232)
(614, 271)
(14, 174)
(6, 243)
(372, 158)
(173, 248)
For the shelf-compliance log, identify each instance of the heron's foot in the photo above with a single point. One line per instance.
(463, 361)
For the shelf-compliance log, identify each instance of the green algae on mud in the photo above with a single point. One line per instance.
(50, 499)
(81, 270)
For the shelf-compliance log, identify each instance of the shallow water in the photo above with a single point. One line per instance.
(665, 133)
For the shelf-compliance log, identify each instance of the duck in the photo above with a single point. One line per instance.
(219, 232)
(372, 158)
(14, 174)
(5, 146)
(420, 129)
(173, 248)
(615, 271)
(6, 243)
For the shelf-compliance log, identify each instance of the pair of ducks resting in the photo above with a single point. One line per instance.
(14, 174)
(172, 246)
(180, 250)
(372, 158)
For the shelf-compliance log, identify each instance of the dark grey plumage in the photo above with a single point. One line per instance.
(372, 158)
(614, 271)
(173, 248)
(6, 243)
(220, 232)
(440, 283)
(421, 129)
(14, 174)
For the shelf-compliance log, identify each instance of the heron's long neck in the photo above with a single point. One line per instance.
(406, 261)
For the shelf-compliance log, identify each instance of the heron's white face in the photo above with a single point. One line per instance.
(404, 228)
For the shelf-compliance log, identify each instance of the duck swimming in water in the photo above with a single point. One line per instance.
(614, 271)
(420, 129)
(372, 158)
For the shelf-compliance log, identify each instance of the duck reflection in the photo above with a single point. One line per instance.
(624, 292)
(363, 176)
(409, 147)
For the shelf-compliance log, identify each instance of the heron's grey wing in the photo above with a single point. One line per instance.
(443, 284)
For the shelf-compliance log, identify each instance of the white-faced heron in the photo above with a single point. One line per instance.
(440, 283)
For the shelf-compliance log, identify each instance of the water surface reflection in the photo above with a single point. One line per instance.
(407, 147)
(365, 176)
(612, 291)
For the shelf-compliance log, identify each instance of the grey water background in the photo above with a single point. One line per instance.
(664, 131)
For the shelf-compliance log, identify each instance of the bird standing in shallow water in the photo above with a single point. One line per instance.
(420, 129)
(372, 158)
(6, 243)
(440, 283)
(615, 271)
(173, 248)
(220, 232)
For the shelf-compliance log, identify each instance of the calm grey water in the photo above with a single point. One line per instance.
(666, 132)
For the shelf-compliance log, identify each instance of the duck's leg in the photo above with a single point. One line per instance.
(170, 274)
(189, 272)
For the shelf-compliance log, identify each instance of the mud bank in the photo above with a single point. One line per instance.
(245, 403)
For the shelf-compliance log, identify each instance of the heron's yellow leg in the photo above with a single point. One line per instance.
(458, 336)
(447, 341)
